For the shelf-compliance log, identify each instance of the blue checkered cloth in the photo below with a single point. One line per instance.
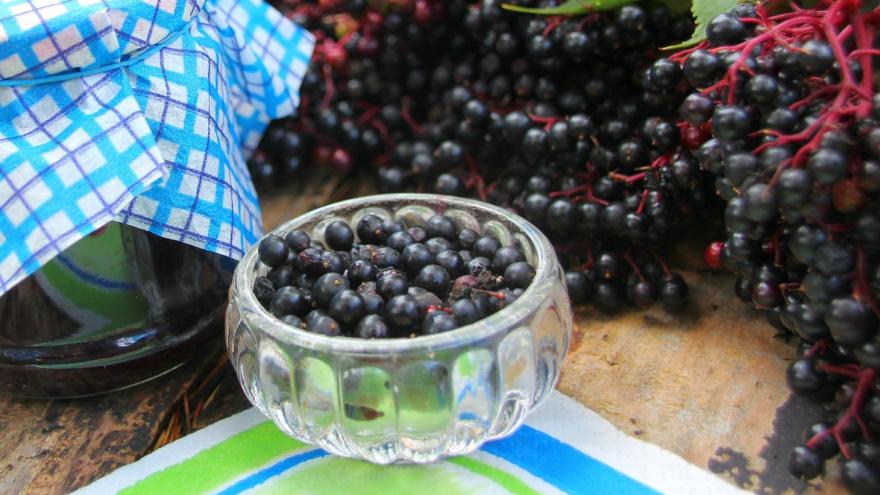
(159, 144)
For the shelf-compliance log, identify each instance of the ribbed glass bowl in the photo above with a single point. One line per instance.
(411, 399)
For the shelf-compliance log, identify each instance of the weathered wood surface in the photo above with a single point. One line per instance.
(708, 385)
(56, 446)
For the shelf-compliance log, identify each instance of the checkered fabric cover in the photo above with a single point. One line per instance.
(160, 144)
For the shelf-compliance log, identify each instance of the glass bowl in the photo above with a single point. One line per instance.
(407, 399)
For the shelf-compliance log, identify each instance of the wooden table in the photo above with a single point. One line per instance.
(708, 385)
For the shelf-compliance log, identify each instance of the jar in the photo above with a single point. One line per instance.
(125, 199)
(119, 307)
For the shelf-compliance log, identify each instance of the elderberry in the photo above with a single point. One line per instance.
(360, 285)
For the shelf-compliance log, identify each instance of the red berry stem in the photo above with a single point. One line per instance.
(629, 179)
(586, 188)
(864, 36)
(496, 295)
(865, 377)
(818, 93)
(643, 202)
(570, 192)
(553, 23)
(819, 348)
(588, 19)
(862, 290)
(634, 266)
(370, 112)
(853, 97)
(405, 112)
(434, 307)
(383, 131)
(331, 88)
(547, 121)
(663, 265)
(475, 179)
(847, 370)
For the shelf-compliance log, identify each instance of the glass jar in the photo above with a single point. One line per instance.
(117, 308)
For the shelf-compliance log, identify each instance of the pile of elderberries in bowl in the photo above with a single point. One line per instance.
(399, 327)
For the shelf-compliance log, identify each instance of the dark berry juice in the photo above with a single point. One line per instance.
(115, 309)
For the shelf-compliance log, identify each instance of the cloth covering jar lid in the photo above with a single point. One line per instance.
(138, 111)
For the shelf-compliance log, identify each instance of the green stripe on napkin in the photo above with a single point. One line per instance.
(221, 463)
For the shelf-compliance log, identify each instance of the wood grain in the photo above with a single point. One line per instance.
(55, 446)
(708, 385)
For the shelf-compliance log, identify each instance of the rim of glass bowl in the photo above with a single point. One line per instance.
(263, 321)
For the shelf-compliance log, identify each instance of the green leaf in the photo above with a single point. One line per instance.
(571, 7)
(704, 11)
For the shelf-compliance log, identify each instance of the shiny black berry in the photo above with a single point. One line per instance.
(402, 312)
(416, 256)
(506, 256)
(289, 301)
(327, 286)
(730, 122)
(725, 29)
(860, 477)
(339, 236)
(325, 325)
(805, 463)
(369, 230)
(452, 262)
(264, 289)
(361, 271)
(372, 326)
(273, 251)
(804, 378)
(438, 322)
(434, 278)
(815, 56)
(391, 283)
(297, 240)
(519, 275)
(466, 311)
(673, 293)
(347, 307)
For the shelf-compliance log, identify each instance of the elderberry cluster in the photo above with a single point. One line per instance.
(609, 145)
(795, 145)
(567, 121)
(384, 279)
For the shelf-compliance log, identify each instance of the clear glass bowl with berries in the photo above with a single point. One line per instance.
(399, 327)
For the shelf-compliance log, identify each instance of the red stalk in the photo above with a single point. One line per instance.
(865, 384)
